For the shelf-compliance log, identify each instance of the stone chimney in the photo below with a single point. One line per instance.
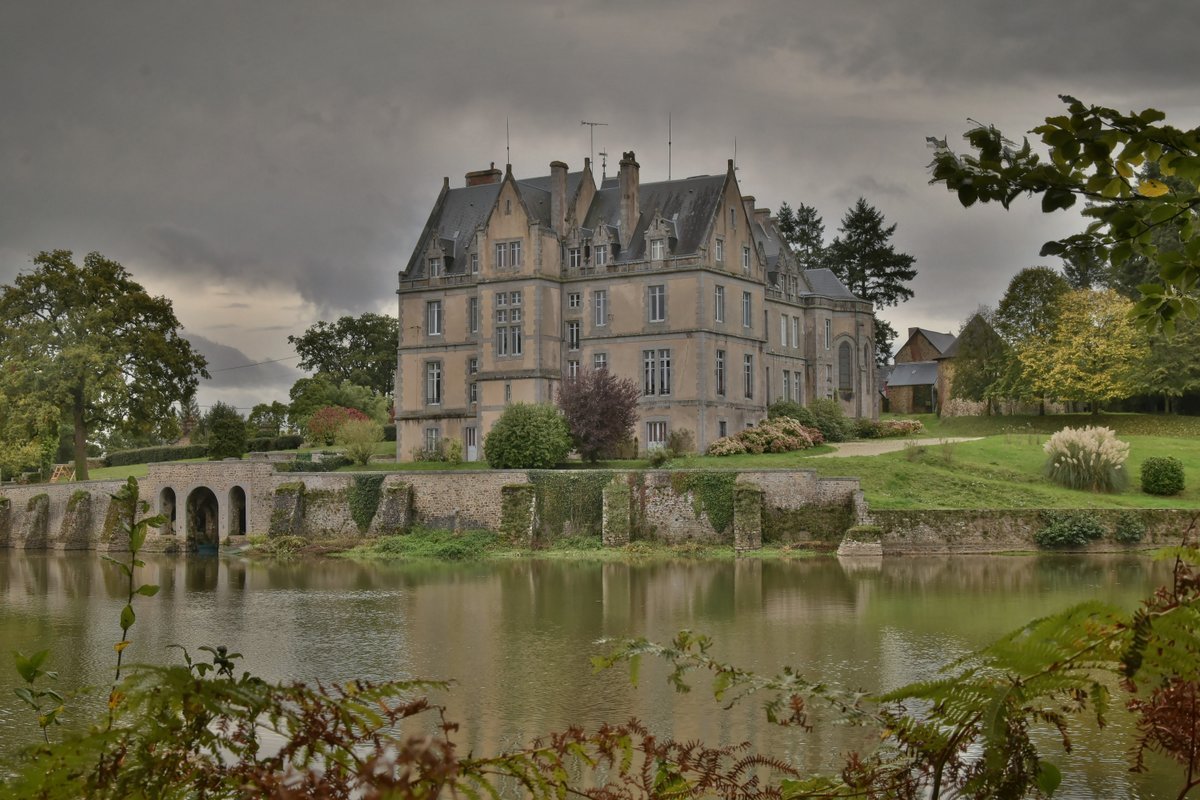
(762, 216)
(482, 177)
(748, 204)
(558, 197)
(628, 183)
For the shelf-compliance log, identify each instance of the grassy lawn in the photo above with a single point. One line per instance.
(1124, 424)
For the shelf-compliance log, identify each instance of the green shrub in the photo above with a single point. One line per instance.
(658, 457)
(328, 464)
(1090, 458)
(289, 441)
(882, 429)
(830, 420)
(1130, 528)
(359, 437)
(454, 451)
(787, 408)
(389, 432)
(1162, 476)
(153, 455)
(322, 427)
(527, 436)
(438, 544)
(680, 442)
(1069, 529)
(226, 432)
(779, 435)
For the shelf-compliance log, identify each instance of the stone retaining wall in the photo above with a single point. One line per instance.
(996, 531)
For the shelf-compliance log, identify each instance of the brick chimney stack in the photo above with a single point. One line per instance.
(558, 197)
(628, 183)
(482, 177)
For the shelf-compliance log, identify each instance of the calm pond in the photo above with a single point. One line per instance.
(516, 637)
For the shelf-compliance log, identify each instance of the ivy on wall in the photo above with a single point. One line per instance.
(712, 494)
(574, 499)
(77, 497)
(516, 507)
(364, 499)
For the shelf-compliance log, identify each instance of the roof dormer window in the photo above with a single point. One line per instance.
(657, 249)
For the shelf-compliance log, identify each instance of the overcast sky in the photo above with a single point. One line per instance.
(268, 164)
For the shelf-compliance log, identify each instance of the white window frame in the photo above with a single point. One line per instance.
(433, 318)
(435, 267)
(828, 334)
(433, 383)
(600, 255)
(720, 247)
(748, 375)
(719, 303)
(500, 253)
(573, 368)
(574, 300)
(574, 257)
(433, 439)
(720, 370)
(795, 331)
(600, 307)
(657, 248)
(783, 330)
(600, 361)
(573, 335)
(474, 263)
(656, 303)
(747, 310)
(656, 434)
(473, 314)
(746, 259)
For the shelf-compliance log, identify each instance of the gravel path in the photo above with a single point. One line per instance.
(876, 447)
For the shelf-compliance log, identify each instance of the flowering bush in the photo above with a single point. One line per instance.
(882, 429)
(322, 427)
(1089, 458)
(958, 407)
(778, 435)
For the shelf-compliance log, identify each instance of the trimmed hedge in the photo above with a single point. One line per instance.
(1069, 529)
(331, 464)
(261, 444)
(1162, 476)
(152, 455)
(389, 432)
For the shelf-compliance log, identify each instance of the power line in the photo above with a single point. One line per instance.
(255, 364)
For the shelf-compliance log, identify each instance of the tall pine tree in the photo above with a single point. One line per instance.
(804, 231)
(863, 258)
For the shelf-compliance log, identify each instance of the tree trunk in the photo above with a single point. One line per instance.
(81, 470)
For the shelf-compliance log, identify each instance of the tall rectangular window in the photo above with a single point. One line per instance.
(473, 314)
(722, 428)
(433, 318)
(433, 440)
(656, 303)
(719, 310)
(829, 380)
(501, 260)
(656, 249)
(514, 254)
(748, 375)
(747, 311)
(721, 372)
(573, 369)
(656, 372)
(787, 385)
(600, 255)
(474, 263)
(573, 335)
(746, 259)
(828, 334)
(783, 330)
(720, 251)
(472, 387)
(433, 383)
(656, 435)
(509, 339)
(574, 257)
(795, 331)
(600, 304)
(435, 267)
(600, 361)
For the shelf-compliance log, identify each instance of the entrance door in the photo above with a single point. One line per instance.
(470, 444)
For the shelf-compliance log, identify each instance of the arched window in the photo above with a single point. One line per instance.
(845, 370)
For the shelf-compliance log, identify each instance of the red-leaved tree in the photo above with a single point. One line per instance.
(600, 410)
(323, 426)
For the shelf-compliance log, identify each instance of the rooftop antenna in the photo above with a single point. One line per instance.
(668, 145)
(603, 166)
(592, 135)
(508, 144)
(735, 166)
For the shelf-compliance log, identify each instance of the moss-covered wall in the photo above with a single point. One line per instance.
(75, 531)
(518, 506)
(35, 534)
(617, 509)
(747, 517)
(818, 526)
(991, 531)
(395, 509)
(569, 503)
(5, 522)
(287, 509)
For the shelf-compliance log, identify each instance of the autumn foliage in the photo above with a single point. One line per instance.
(323, 426)
(600, 409)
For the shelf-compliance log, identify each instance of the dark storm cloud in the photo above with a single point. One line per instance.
(232, 369)
(294, 147)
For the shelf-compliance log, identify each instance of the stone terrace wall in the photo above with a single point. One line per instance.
(62, 527)
(996, 531)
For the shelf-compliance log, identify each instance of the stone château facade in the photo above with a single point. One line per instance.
(683, 285)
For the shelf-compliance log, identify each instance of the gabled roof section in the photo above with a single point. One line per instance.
(536, 193)
(456, 215)
(688, 203)
(942, 341)
(825, 283)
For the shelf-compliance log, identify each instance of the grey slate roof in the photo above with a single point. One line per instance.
(461, 212)
(939, 340)
(690, 203)
(916, 373)
(824, 283)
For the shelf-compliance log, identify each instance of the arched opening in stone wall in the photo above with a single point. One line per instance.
(166, 507)
(203, 520)
(237, 511)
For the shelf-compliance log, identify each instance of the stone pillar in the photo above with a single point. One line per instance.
(73, 534)
(35, 530)
(395, 510)
(614, 526)
(747, 517)
(287, 515)
(517, 513)
(861, 540)
(5, 522)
